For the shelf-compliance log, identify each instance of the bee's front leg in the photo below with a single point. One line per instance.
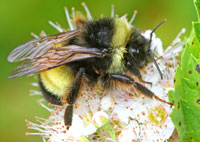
(72, 96)
(122, 78)
(128, 80)
(145, 91)
(132, 67)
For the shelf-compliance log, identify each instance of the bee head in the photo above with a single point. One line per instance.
(139, 49)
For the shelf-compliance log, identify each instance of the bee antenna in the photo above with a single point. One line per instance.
(151, 34)
(155, 63)
(150, 53)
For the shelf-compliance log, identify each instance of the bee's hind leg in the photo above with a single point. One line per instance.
(72, 96)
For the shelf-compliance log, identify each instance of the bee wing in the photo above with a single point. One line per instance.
(40, 46)
(55, 57)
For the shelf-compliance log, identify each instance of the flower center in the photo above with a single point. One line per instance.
(157, 115)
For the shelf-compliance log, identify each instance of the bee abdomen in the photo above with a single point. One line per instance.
(49, 96)
(58, 80)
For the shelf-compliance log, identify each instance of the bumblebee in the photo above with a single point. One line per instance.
(96, 52)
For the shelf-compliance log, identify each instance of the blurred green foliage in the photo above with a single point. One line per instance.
(20, 17)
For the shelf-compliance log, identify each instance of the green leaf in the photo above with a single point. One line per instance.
(197, 6)
(186, 96)
(196, 26)
(110, 130)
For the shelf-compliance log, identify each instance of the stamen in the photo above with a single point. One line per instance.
(44, 140)
(41, 134)
(87, 11)
(176, 40)
(68, 19)
(34, 35)
(35, 92)
(42, 119)
(50, 110)
(124, 16)
(42, 100)
(42, 33)
(36, 126)
(56, 26)
(178, 36)
(133, 17)
(35, 84)
(73, 12)
(112, 11)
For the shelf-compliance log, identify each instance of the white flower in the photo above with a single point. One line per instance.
(123, 115)
(100, 119)
(107, 102)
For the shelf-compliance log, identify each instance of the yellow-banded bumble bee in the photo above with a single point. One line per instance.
(100, 51)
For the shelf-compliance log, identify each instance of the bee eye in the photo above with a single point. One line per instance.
(137, 53)
(133, 51)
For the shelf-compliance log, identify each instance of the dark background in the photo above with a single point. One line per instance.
(20, 17)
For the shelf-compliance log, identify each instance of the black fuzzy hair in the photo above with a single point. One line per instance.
(99, 33)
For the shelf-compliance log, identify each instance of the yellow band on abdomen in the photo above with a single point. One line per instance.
(57, 80)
